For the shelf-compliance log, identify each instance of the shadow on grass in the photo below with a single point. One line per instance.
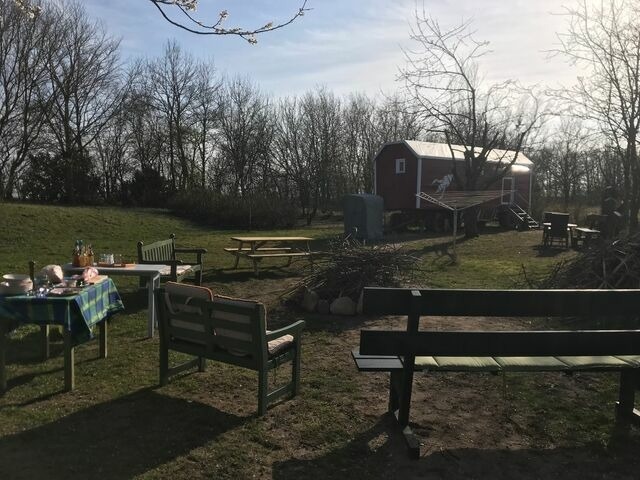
(380, 453)
(542, 251)
(122, 438)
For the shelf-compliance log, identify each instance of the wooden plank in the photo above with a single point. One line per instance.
(503, 343)
(503, 303)
(271, 239)
(261, 249)
(376, 363)
(278, 255)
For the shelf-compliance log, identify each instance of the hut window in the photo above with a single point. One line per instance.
(400, 165)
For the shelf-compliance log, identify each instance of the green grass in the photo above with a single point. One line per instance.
(118, 423)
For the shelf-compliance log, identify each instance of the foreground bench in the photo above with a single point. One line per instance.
(164, 252)
(404, 352)
(194, 321)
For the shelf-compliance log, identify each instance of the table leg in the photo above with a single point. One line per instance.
(235, 265)
(45, 345)
(69, 363)
(103, 338)
(151, 313)
(3, 358)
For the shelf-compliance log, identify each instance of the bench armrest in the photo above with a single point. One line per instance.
(191, 250)
(293, 329)
(199, 252)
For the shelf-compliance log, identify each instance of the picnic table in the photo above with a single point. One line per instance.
(256, 249)
(77, 313)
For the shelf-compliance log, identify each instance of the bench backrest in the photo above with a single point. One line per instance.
(230, 330)
(502, 303)
(157, 252)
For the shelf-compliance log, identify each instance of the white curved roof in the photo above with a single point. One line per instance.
(441, 150)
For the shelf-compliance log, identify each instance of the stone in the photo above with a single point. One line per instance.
(323, 307)
(343, 306)
(310, 300)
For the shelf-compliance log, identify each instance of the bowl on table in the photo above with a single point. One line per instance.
(15, 283)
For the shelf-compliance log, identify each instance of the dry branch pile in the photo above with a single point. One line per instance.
(610, 265)
(348, 266)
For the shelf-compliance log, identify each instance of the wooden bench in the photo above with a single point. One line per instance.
(584, 236)
(194, 321)
(403, 352)
(164, 252)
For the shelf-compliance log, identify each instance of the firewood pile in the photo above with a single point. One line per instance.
(348, 265)
(614, 264)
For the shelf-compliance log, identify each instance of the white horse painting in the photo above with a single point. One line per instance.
(443, 183)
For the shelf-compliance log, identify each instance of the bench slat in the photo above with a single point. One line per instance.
(502, 303)
(501, 344)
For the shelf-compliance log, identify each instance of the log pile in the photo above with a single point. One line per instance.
(348, 266)
(613, 264)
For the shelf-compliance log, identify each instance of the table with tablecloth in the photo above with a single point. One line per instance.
(77, 314)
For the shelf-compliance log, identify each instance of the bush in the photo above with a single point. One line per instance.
(256, 212)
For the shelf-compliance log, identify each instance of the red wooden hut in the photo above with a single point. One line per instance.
(413, 176)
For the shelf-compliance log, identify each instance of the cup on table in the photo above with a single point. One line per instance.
(117, 258)
(106, 258)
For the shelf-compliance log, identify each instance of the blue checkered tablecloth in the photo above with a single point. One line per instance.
(77, 313)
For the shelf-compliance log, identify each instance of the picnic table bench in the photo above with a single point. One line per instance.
(404, 352)
(256, 249)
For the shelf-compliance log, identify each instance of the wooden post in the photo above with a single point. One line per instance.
(69, 367)
(409, 363)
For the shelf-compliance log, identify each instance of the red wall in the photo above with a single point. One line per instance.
(398, 190)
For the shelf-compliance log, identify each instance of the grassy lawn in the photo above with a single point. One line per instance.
(118, 423)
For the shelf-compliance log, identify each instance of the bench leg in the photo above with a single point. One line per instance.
(400, 386)
(625, 411)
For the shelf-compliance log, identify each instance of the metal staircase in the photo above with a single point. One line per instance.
(524, 220)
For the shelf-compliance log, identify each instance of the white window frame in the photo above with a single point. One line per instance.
(401, 162)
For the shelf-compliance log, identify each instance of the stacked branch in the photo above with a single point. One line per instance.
(613, 264)
(348, 266)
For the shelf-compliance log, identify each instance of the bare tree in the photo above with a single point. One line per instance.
(605, 37)
(246, 134)
(84, 91)
(187, 21)
(172, 79)
(443, 80)
(24, 46)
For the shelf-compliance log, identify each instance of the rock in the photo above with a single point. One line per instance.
(310, 300)
(323, 307)
(343, 306)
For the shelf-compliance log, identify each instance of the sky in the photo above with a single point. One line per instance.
(346, 45)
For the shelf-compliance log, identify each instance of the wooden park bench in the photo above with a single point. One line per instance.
(194, 321)
(164, 252)
(404, 352)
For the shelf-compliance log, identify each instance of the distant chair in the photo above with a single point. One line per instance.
(556, 229)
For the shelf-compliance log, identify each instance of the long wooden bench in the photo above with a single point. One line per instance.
(565, 350)
(164, 252)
